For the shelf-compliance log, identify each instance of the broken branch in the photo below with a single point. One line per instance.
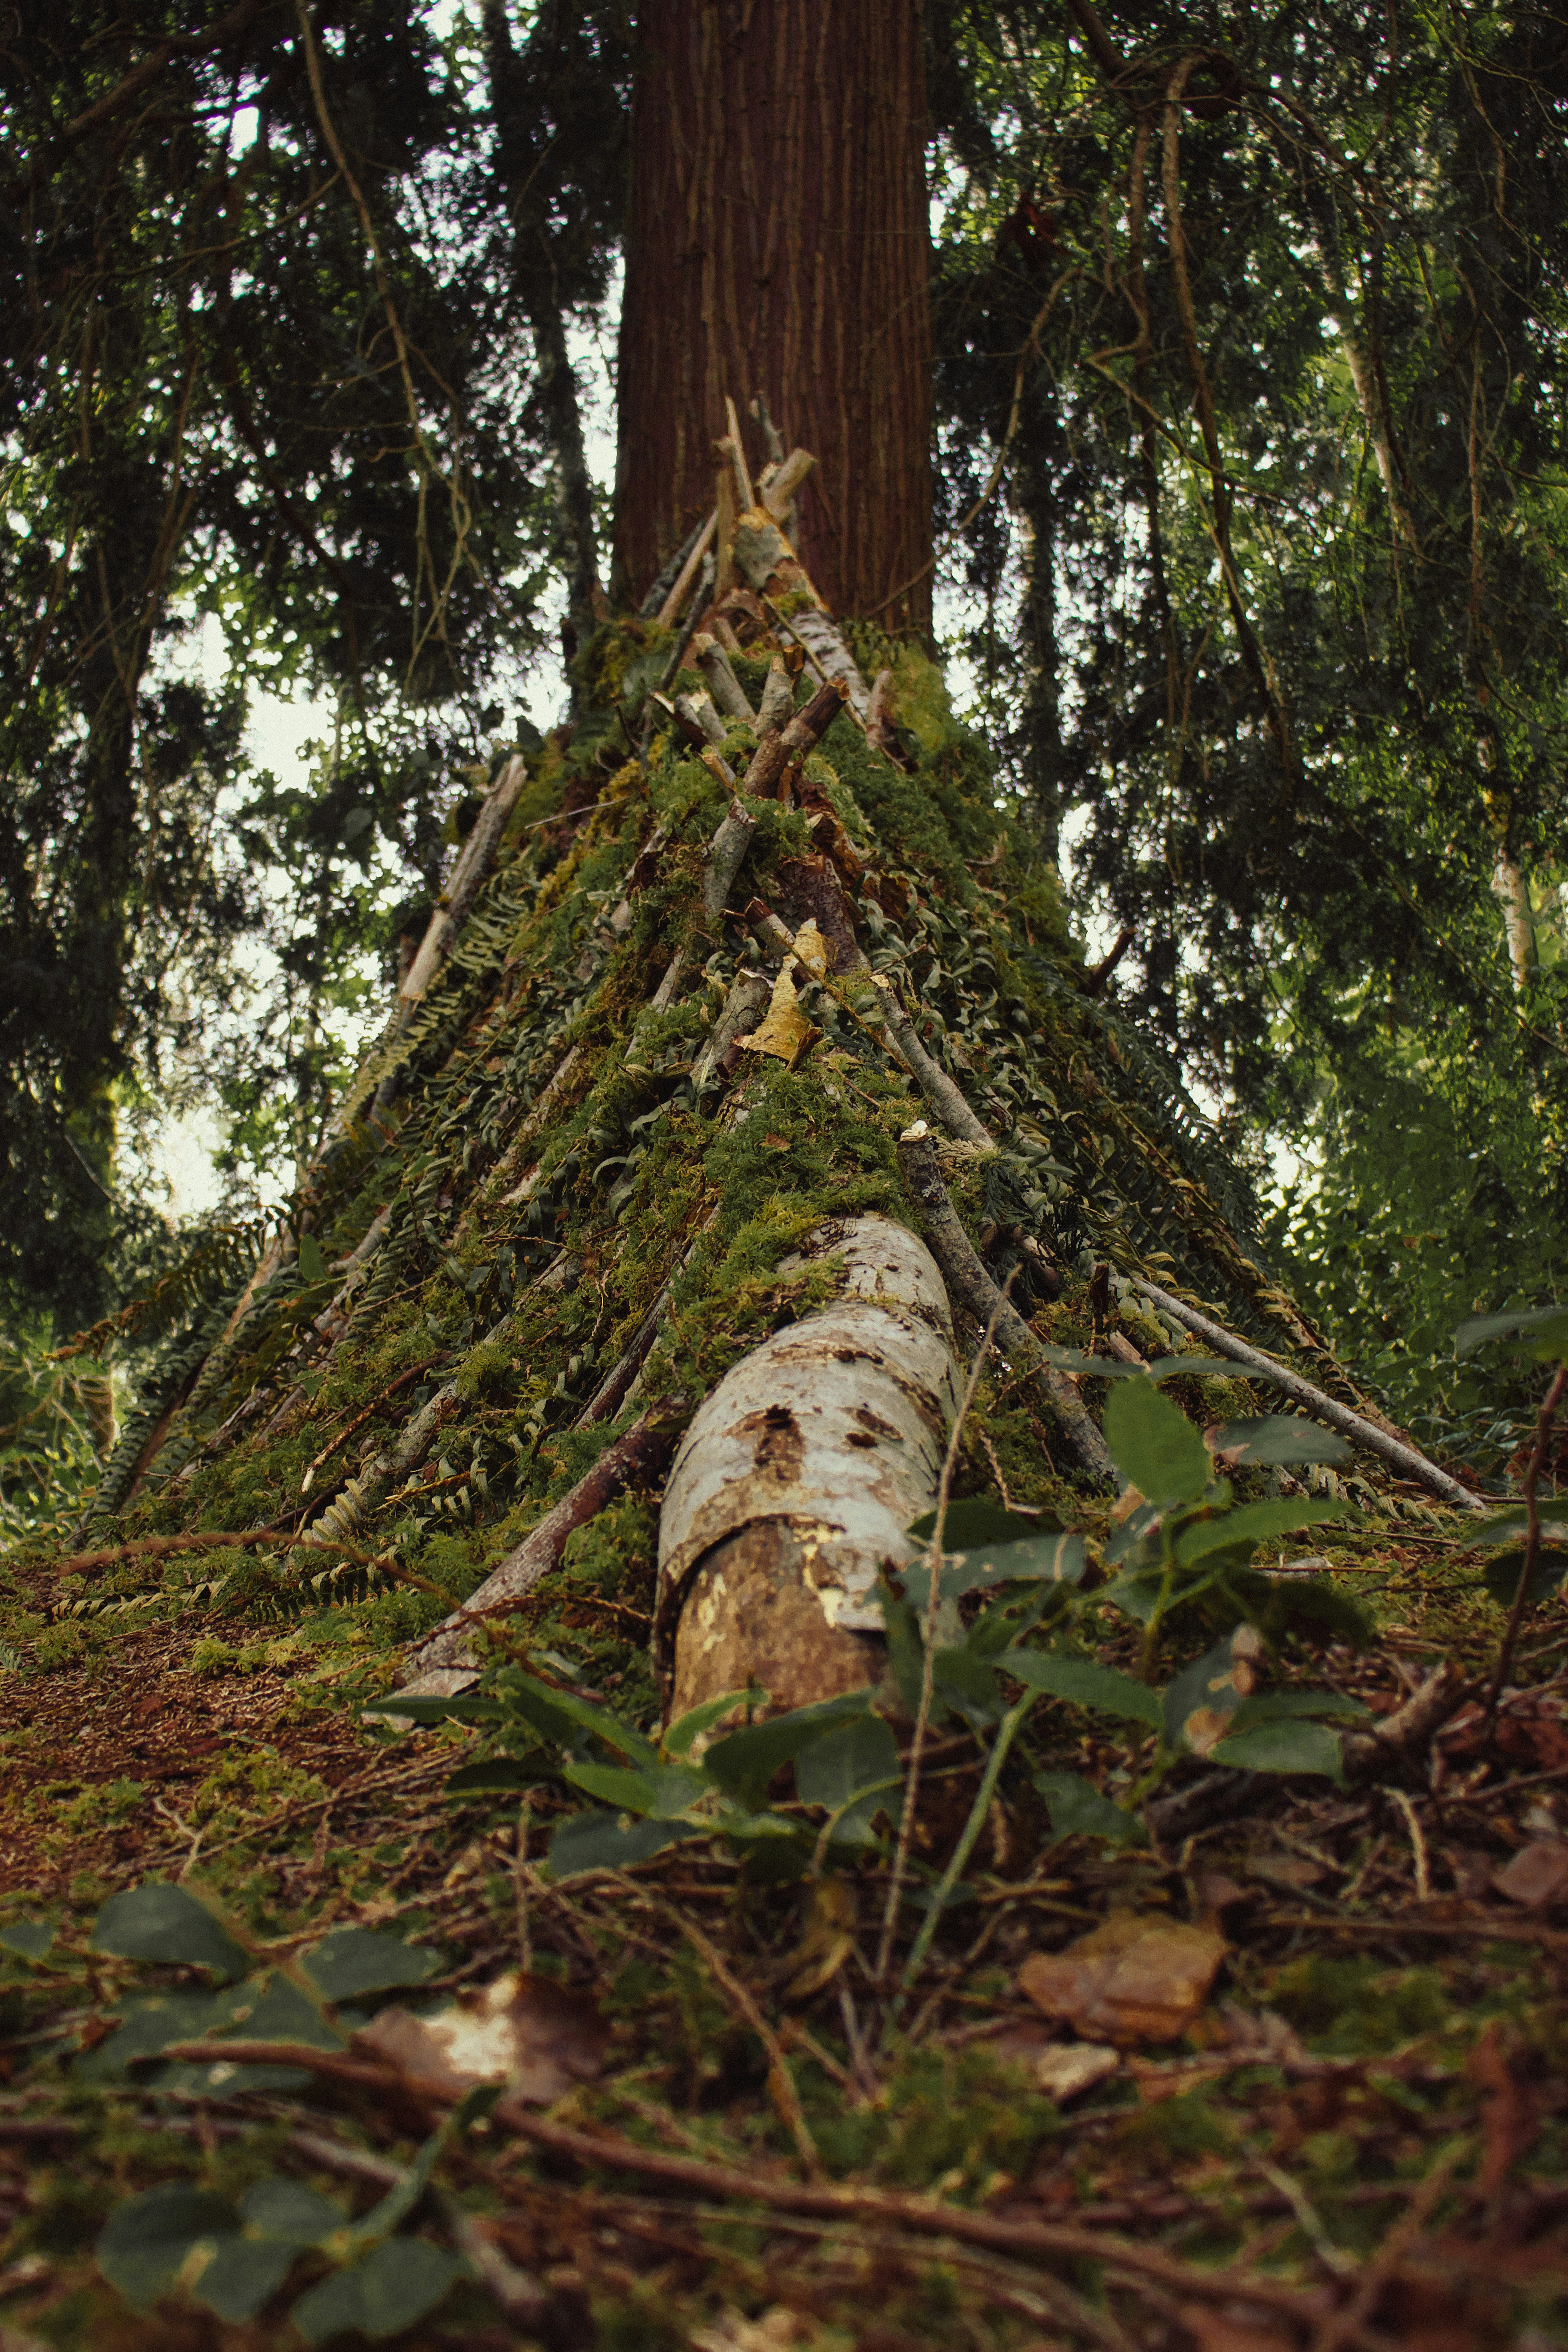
(1391, 1450)
(641, 1451)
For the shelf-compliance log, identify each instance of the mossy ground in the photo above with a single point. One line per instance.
(1375, 2081)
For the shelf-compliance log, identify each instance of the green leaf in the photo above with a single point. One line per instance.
(744, 1761)
(467, 1707)
(1155, 1445)
(612, 1842)
(905, 1645)
(239, 2276)
(559, 1714)
(150, 2022)
(1501, 1576)
(852, 1758)
(1006, 1620)
(1273, 1440)
(157, 1922)
(855, 1825)
(500, 1776)
(28, 1938)
(663, 1791)
(1082, 1683)
(1512, 1525)
(395, 2287)
(678, 1738)
(1274, 1706)
(145, 2242)
(598, 1840)
(287, 2213)
(231, 2262)
(404, 2193)
(1054, 1558)
(1206, 1688)
(1078, 1809)
(1198, 1368)
(965, 1683)
(1282, 1747)
(355, 1960)
(1255, 1523)
(1136, 1592)
(973, 1522)
(1543, 1329)
(1138, 1538)
(280, 2011)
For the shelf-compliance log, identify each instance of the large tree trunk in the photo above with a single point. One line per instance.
(778, 244)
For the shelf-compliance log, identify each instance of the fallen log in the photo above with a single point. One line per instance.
(797, 1480)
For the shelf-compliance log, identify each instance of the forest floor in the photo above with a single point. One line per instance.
(1351, 2135)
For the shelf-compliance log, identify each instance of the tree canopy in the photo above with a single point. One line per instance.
(1248, 385)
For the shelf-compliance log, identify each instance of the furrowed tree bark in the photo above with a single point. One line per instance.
(778, 243)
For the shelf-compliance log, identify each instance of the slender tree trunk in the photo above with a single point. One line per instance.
(778, 244)
(520, 127)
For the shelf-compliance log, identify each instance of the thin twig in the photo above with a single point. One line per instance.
(1547, 1415)
(928, 1663)
(925, 2216)
(781, 2081)
(1417, 1845)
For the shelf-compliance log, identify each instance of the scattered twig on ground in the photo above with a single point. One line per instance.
(1417, 1845)
(1544, 1420)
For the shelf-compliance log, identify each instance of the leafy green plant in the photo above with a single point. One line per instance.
(1186, 1544)
(233, 2257)
(654, 1793)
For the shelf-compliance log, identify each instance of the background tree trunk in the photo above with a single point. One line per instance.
(778, 243)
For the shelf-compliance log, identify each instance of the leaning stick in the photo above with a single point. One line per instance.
(726, 853)
(688, 572)
(653, 603)
(1399, 1456)
(778, 493)
(468, 879)
(971, 1288)
(942, 1098)
(729, 694)
(803, 734)
(699, 718)
(641, 1452)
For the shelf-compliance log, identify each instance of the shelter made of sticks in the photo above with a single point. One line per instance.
(748, 1073)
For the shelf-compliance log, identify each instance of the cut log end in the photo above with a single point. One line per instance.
(752, 1614)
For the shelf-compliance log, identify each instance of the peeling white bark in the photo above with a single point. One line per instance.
(830, 1434)
(1512, 891)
